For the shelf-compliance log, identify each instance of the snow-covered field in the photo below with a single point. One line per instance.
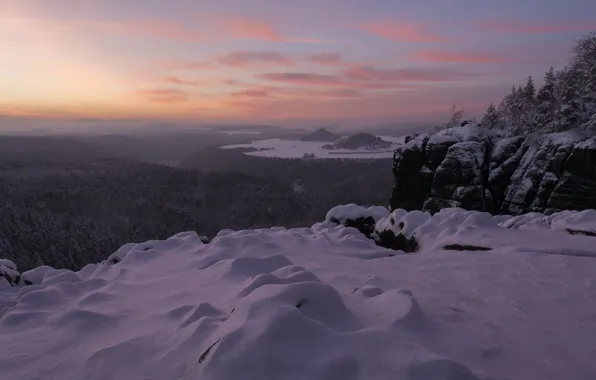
(316, 303)
(297, 149)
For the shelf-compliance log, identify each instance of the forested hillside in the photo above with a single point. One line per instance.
(566, 100)
(68, 207)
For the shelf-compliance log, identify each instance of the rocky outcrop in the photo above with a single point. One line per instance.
(413, 178)
(475, 169)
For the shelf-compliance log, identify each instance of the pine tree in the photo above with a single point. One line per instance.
(516, 106)
(570, 113)
(546, 101)
(528, 106)
(529, 90)
(584, 62)
(491, 118)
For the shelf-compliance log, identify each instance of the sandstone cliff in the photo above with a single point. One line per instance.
(476, 169)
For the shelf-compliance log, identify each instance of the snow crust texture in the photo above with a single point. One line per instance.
(315, 303)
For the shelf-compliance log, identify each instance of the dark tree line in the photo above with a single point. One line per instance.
(68, 211)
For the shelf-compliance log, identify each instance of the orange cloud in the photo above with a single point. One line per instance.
(402, 32)
(165, 96)
(176, 80)
(245, 59)
(437, 56)
(517, 27)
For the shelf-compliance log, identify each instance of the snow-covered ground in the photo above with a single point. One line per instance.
(316, 303)
(297, 149)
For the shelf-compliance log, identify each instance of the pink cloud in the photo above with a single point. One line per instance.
(302, 79)
(370, 78)
(518, 27)
(327, 59)
(176, 80)
(187, 65)
(340, 93)
(161, 29)
(403, 32)
(252, 29)
(370, 73)
(256, 93)
(246, 59)
(165, 96)
(438, 56)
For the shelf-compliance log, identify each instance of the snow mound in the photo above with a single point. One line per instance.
(573, 222)
(313, 303)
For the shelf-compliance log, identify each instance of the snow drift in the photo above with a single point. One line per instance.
(314, 303)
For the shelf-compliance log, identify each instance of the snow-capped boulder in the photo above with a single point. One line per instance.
(9, 274)
(361, 218)
(396, 231)
(476, 169)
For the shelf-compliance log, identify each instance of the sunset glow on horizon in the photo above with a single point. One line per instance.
(257, 60)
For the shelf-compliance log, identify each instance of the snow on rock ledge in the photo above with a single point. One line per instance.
(573, 222)
(458, 229)
(312, 303)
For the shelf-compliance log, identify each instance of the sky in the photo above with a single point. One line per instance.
(276, 60)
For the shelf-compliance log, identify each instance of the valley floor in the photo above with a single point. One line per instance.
(312, 303)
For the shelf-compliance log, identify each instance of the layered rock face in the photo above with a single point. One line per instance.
(475, 169)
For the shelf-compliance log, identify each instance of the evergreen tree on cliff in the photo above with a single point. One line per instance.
(546, 101)
(570, 112)
(491, 119)
(567, 100)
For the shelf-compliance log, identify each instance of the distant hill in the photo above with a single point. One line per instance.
(321, 134)
(360, 140)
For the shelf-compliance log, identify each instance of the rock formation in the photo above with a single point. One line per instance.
(476, 169)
